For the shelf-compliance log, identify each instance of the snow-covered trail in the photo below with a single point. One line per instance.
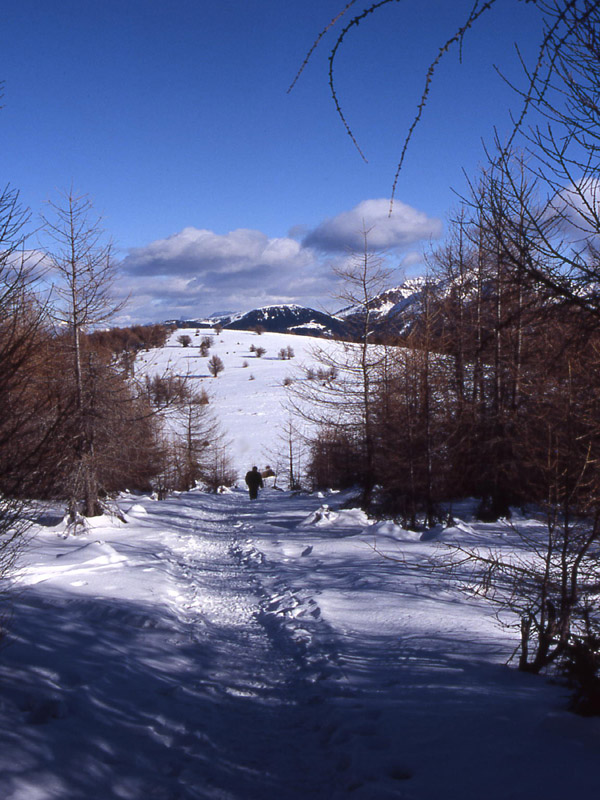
(250, 688)
(214, 648)
(409, 677)
(187, 697)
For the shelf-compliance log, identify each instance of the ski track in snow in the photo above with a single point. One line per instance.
(220, 649)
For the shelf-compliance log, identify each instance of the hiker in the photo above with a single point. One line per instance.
(254, 481)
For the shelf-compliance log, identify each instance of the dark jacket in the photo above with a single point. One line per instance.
(254, 479)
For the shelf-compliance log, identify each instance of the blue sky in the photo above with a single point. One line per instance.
(220, 190)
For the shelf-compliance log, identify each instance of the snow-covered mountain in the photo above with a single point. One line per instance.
(390, 302)
(280, 318)
(391, 312)
(288, 319)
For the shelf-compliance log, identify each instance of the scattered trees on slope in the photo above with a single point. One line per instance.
(76, 425)
(215, 365)
(195, 450)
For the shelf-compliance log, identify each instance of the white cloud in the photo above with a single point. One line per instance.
(403, 227)
(197, 272)
(193, 251)
(578, 209)
(31, 264)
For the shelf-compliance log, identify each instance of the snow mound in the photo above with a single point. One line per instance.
(87, 558)
(138, 510)
(353, 518)
(296, 550)
(346, 518)
(321, 517)
(389, 530)
(457, 530)
(102, 521)
(97, 552)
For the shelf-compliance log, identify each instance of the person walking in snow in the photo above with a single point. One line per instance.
(254, 481)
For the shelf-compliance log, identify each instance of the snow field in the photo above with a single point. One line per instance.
(409, 675)
(250, 402)
(213, 647)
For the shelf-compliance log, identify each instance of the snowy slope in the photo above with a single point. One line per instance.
(250, 401)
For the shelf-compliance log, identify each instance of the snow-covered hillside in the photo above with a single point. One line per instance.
(249, 396)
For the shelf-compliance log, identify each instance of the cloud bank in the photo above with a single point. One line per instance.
(403, 227)
(197, 272)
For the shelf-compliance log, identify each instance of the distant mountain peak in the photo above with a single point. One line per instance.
(389, 301)
(388, 312)
(284, 317)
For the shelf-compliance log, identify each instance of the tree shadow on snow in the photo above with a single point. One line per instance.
(103, 699)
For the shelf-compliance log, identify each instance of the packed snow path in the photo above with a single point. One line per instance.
(198, 701)
(220, 649)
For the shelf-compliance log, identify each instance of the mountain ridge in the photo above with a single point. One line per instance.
(389, 312)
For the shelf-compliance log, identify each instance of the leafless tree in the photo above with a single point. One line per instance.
(205, 346)
(562, 24)
(215, 365)
(82, 262)
(23, 441)
(219, 470)
(412, 409)
(343, 398)
(288, 456)
(195, 432)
